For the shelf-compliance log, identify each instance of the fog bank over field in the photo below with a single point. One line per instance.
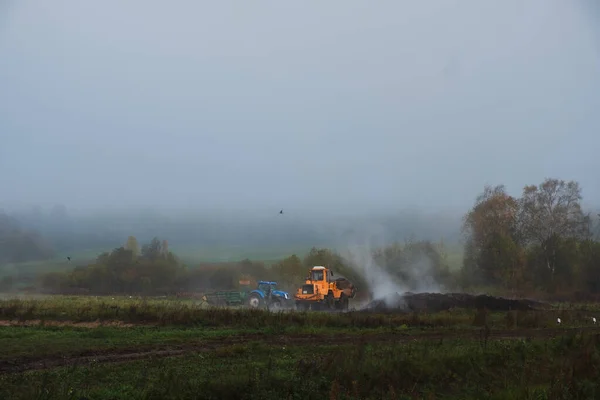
(292, 229)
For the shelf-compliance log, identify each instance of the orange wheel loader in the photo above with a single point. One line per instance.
(322, 291)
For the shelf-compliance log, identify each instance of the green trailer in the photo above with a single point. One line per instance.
(226, 298)
(229, 297)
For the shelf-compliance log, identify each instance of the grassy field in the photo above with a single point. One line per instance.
(190, 256)
(103, 348)
(235, 253)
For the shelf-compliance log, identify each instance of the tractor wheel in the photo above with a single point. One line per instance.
(343, 302)
(276, 305)
(254, 301)
(330, 301)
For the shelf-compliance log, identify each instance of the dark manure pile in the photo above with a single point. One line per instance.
(436, 302)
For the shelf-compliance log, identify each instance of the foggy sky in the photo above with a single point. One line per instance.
(270, 104)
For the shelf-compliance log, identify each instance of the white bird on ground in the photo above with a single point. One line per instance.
(594, 319)
(558, 320)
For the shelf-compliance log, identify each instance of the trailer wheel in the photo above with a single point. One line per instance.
(254, 301)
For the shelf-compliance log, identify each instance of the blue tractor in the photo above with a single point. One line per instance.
(267, 296)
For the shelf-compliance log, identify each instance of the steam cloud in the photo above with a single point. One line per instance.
(417, 276)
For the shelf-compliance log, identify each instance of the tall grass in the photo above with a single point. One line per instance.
(187, 313)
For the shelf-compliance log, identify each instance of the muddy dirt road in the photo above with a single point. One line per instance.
(138, 353)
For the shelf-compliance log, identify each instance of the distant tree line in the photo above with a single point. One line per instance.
(127, 269)
(155, 270)
(540, 241)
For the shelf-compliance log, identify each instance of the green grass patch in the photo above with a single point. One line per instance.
(42, 341)
(216, 254)
(564, 368)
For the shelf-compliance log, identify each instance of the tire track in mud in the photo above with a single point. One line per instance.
(147, 352)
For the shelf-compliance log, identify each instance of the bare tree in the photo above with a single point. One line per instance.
(551, 212)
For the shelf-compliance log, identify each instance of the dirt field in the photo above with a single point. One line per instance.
(108, 348)
(90, 325)
(136, 353)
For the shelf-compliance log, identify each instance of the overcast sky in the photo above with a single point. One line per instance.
(270, 104)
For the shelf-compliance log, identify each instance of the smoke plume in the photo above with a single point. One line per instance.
(415, 274)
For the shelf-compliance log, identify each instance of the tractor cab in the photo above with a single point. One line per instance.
(317, 275)
(317, 281)
(267, 286)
